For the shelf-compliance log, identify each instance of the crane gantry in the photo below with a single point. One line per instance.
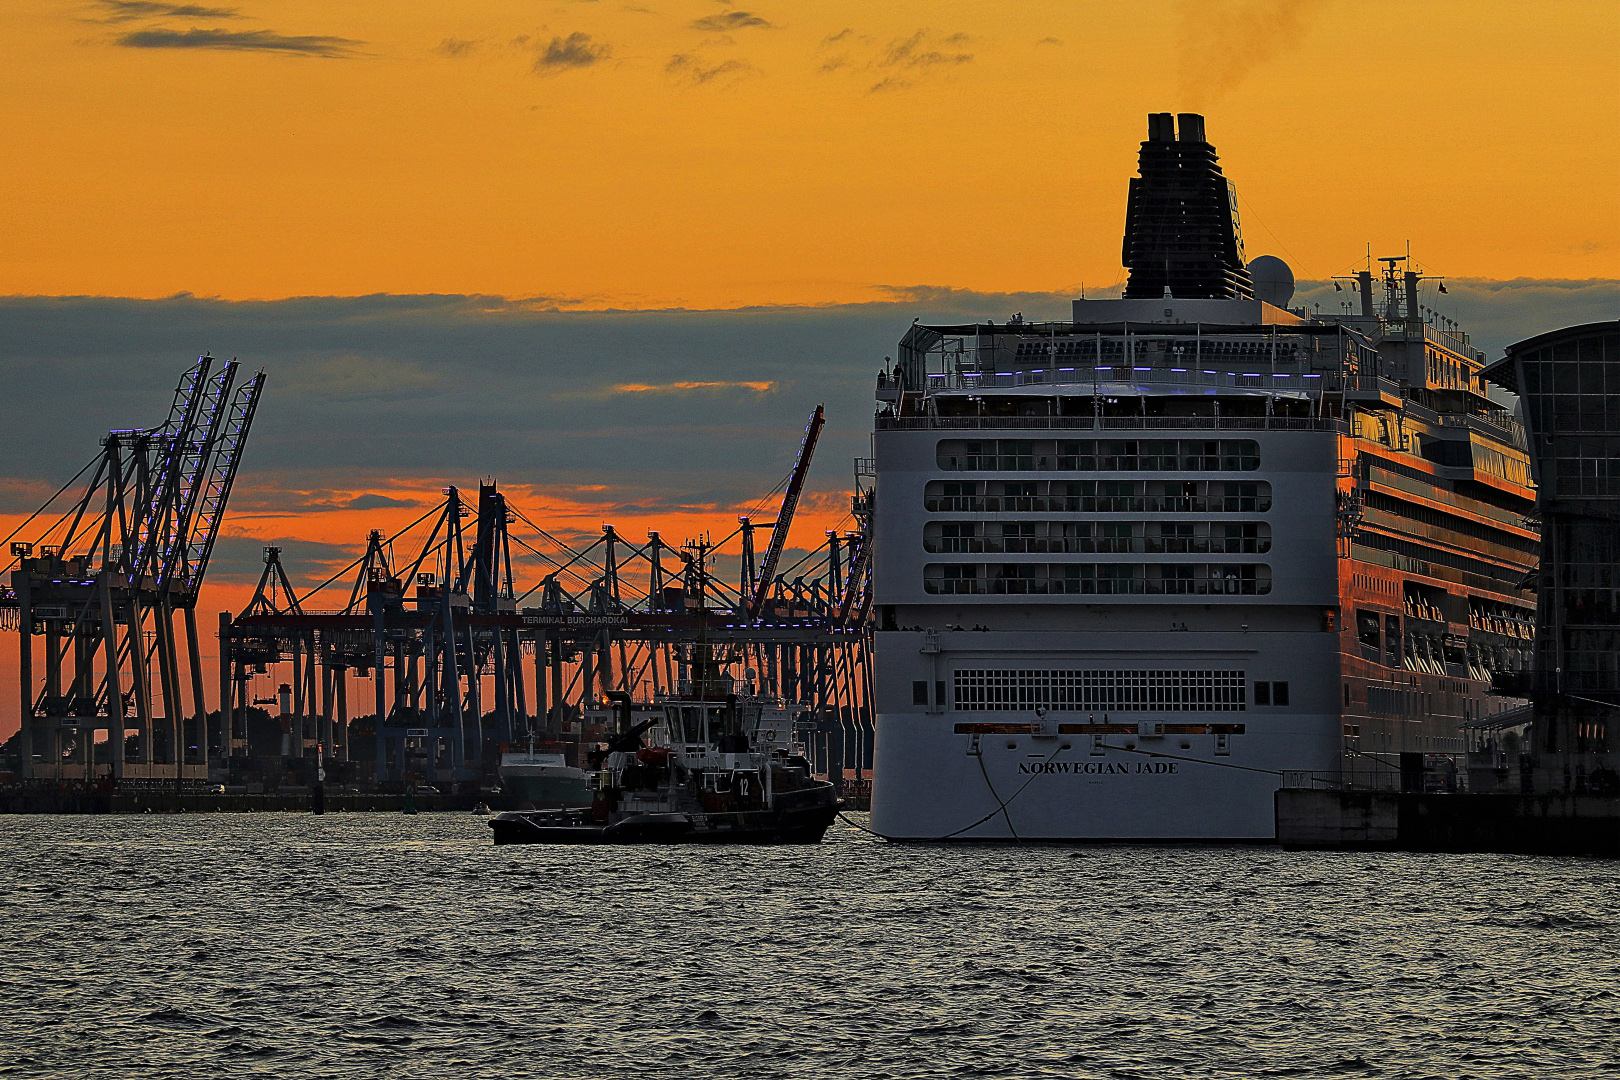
(93, 597)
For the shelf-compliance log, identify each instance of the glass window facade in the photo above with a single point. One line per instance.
(1569, 384)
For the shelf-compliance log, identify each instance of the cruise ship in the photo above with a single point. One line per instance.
(1135, 571)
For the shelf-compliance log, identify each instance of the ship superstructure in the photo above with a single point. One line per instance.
(1136, 570)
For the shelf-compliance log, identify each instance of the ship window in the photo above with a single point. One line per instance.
(1201, 454)
(1084, 455)
(1100, 691)
(919, 692)
(1239, 455)
(1017, 455)
(692, 723)
(1271, 693)
(1244, 497)
(952, 536)
(1080, 455)
(1116, 579)
(1367, 628)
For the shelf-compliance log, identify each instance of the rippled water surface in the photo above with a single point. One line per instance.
(375, 945)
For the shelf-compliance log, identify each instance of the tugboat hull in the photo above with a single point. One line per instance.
(799, 825)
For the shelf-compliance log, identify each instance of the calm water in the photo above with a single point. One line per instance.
(373, 945)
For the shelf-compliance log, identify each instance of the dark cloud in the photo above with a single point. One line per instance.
(20, 495)
(914, 52)
(731, 20)
(114, 11)
(577, 50)
(686, 66)
(376, 393)
(833, 39)
(1050, 41)
(239, 560)
(452, 48)
(377, 502)
(240, 41)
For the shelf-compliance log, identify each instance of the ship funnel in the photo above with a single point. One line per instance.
(1181, 222)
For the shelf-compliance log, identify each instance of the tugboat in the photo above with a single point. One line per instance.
(706, 772)
(541, 781)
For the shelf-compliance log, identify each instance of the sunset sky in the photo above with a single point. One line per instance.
(456, 235)
(689, 153)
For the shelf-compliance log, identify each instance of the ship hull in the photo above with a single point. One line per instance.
(546, 792)
(934, 784)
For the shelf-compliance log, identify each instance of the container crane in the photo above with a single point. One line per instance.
(784, 517)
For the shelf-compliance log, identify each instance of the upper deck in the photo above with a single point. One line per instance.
(1196, 364)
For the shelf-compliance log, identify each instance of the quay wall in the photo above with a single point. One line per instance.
(147, 802)
(1550, 824)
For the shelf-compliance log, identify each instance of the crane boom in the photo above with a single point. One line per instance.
(211, 507)
(857, 571)
(193, 467)
(158, 494)
(784, 518)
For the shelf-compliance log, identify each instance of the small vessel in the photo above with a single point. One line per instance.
(705, 772)
(542, 781)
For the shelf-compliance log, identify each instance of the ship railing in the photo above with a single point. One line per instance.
(1097, 504)
(1296, 381)
(1368, 774)
(1367, 384)
(1105, 545)
(1210, 586)
(1415, 329)
(1112, 423)
(1498, 424)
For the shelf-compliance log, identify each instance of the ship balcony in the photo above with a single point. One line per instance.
(1097, 504)
(1111, 423)
(1373, 390)
(1498, 425)
(1139, 378)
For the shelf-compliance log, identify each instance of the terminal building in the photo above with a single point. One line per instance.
(1568, 382)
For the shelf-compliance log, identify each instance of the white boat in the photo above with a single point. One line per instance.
(1135, 571)
(542, 780)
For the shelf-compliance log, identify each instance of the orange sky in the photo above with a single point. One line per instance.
(682, 152)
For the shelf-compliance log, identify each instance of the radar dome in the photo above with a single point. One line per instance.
(1273, 281)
